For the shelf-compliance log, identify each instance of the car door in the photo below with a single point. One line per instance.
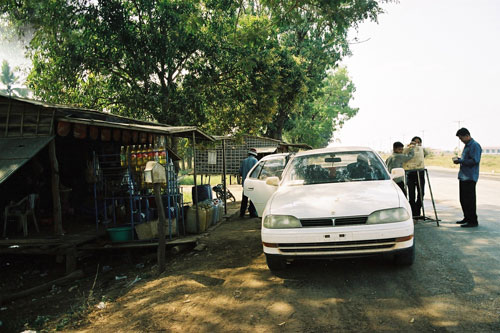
(255, 187)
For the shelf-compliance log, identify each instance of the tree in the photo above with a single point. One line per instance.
(318, 119)
(224, 65)
(9, 80)
(315, 32)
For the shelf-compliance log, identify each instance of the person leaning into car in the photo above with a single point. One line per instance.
(245, 167)
(468, 177)
(397, 159)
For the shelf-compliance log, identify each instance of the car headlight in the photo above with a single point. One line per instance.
(388, 216)
(281, 222)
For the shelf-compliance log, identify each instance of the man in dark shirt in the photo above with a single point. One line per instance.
(468, 176)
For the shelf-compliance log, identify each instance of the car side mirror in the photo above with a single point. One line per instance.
(398, 174)
(273, 181)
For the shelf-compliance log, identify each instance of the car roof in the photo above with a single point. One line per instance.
(273, 156)
(334, 150)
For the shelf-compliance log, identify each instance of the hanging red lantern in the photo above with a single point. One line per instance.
(93, 132)
(105, 134)
(63, 128)
(126, 136)
(80, 131)
(117, 134)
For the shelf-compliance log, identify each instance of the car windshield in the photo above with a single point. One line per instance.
(335, 168)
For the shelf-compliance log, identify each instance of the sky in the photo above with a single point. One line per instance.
(426, 68)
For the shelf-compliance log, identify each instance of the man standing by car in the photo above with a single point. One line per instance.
(245, 167)
(468, 176)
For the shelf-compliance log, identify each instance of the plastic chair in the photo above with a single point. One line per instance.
(20, 210)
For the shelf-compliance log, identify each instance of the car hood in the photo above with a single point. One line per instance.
(337, 199)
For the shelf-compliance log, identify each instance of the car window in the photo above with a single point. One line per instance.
(269, 168)
(256, 172)
(273, 168)
(335, 168)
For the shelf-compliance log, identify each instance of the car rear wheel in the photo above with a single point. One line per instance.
(405, 257)
(275, 262)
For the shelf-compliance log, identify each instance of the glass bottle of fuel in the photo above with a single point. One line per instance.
(162, 156)
(144, 155)
(133, 157)
(139, 158)
(156, 153)
(127, 156)
(151, 153)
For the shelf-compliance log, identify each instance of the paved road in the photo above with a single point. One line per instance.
(444, 184)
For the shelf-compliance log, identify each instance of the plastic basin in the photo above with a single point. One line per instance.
(120, 234)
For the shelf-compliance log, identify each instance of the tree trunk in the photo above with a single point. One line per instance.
(189, 158)
(276, 131)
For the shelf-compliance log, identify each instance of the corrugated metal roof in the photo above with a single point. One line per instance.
(87, 116)
(153, 128)
(266, 150)
(231, 137)
(17, 151)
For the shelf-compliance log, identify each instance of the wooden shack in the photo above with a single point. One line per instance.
(48, 153)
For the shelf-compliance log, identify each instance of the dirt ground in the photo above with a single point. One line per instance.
(225, 286)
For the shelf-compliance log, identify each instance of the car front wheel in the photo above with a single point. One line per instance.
(275, 262)
(405, 257)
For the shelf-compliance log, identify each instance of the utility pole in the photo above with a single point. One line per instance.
(459, 122)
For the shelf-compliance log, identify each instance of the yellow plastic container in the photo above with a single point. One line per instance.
(191, 226)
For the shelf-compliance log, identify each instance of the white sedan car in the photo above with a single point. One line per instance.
(331, 202)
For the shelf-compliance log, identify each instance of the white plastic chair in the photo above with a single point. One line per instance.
(20, 210)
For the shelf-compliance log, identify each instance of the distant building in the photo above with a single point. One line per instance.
(491, 150)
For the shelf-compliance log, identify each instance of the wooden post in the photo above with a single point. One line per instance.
(224, 185)
(161, 228)
(56, 197)
(195, 185)
(71, 258)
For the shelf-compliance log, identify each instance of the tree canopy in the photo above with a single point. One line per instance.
(255, 67)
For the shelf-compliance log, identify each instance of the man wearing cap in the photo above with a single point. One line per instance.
(245, 167)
